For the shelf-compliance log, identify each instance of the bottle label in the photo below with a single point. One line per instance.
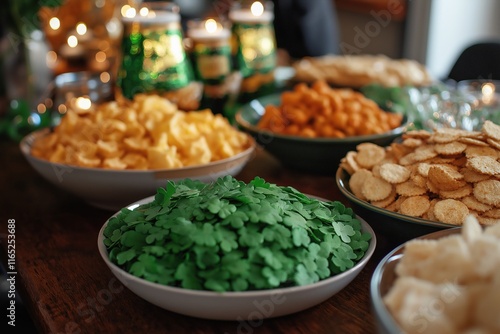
(153, 60)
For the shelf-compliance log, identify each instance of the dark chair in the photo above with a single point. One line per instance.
(478, 61)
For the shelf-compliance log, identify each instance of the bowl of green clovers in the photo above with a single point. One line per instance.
(228, 249)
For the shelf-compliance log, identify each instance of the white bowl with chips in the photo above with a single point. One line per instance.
(383, 279)
(113, 189)
(237, 306)
(446, 280)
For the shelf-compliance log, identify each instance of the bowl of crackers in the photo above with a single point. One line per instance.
(443, 282)
(311, 127)
(114, 153)
(432, 178)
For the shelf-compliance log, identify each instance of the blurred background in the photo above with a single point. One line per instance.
(433, 32)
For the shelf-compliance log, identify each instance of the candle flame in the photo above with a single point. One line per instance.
(54, 23)
(257, 8)
(81, 28)
(488, 91)
(83, 103)
(211, 25)
(72, 41)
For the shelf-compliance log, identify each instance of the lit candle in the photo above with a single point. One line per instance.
(72, 49)
(208, 30)
(148, 16)
(255, 14)
(157, 61)
(255, 46)
(211, 54)
(488, 95)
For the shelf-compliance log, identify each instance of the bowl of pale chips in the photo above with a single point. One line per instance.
(246, 253)
(443, 282)
(311, 128)
(116, 153)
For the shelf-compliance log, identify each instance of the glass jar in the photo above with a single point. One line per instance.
(254, 46)
(153, 55)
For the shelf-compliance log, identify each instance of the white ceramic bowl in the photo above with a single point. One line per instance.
(246, 305)
(385, 276)
(113, 189)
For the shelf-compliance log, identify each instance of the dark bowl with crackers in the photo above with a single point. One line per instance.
(427, 182)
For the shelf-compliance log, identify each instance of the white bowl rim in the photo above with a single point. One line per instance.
(384, 316)
(236, 294)
(26, 143)
(252, 128)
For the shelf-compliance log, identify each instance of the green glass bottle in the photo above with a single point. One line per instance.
(153, 56)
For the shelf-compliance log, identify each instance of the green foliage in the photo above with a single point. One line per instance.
(232, 236)
(23, 16)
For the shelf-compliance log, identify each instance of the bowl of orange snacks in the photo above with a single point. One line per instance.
(115, 153)
(311, 127)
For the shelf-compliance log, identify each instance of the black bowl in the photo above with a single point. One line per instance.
(315, 155)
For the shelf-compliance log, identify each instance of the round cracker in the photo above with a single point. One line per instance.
(491, 129)
(473, 142)
(450, 148)
(357, 180)
(493, 213)
(450, 211)
(376, 189)
(409, 188)
(475, 151)
(488, 192)
(415, 206)
(369, 155)
(457, 193)
(494, 143)
(442, 136)
(394, 173)
(484, 165)
(445, 178)
(488, 221)
(473, 176)
(350, 159)
(412, 142)
(386, 201)
(473, 204)
(420, 134)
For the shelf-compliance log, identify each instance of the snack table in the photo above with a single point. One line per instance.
(67, 288)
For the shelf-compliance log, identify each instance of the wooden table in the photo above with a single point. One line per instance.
(67, 288)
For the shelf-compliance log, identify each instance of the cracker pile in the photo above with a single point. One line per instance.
(360, 70)
(449, 285)
(441, 176)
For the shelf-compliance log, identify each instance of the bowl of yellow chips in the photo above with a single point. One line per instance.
(115, 153)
